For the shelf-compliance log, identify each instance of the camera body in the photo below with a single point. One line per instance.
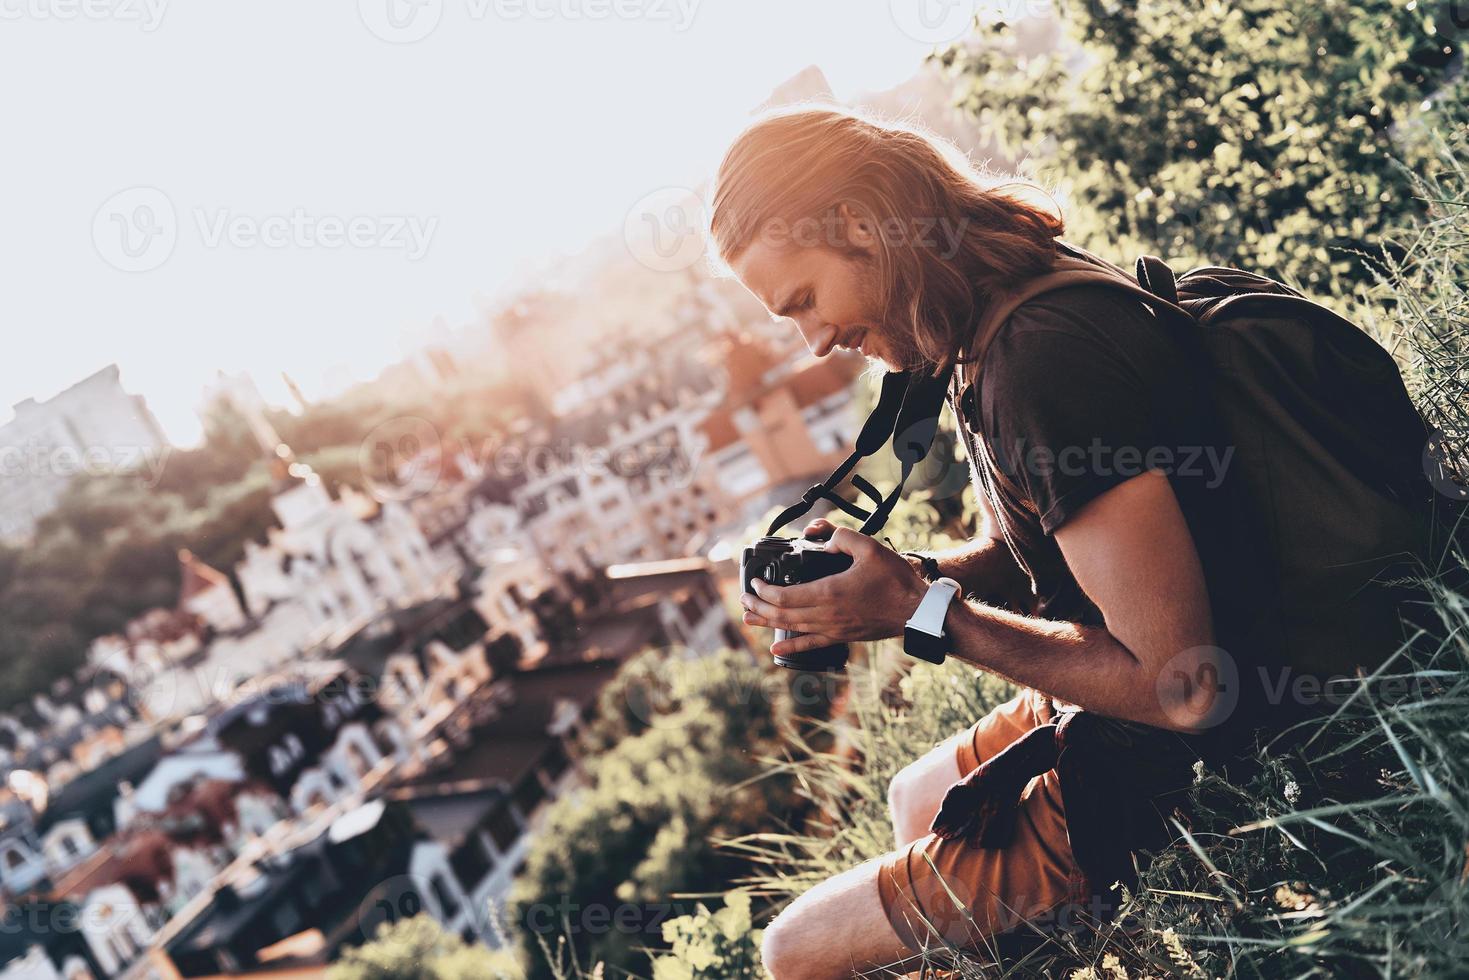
(791, 561)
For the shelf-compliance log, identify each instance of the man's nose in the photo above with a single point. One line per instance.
(820, 337)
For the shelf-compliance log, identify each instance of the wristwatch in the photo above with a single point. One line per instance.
(923, 634)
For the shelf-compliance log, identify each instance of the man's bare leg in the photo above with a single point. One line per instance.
(836, 930)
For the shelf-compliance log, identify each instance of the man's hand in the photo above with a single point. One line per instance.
(872, 600)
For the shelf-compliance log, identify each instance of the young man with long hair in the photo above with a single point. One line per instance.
(1112, 582)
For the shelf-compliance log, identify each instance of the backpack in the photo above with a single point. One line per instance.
(1329, 450)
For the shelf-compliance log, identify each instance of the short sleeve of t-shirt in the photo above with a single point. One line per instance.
(1074, 395)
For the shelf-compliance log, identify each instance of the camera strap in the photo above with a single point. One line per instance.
(907, 411)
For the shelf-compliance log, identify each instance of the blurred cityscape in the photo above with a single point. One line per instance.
(365, 712)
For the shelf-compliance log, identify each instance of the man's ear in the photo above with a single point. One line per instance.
(858, 229)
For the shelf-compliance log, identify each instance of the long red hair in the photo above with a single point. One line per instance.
(799, 164)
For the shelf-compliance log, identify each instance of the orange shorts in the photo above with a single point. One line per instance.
(937, 892)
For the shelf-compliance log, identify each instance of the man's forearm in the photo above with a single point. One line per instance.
(1082, 665)
(985, 568)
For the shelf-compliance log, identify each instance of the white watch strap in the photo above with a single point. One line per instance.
(929, 616)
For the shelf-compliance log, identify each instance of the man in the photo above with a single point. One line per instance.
(1115, 583)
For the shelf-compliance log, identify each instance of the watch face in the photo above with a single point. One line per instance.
(925, 646)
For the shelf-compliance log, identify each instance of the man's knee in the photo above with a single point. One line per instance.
(781, 950)
(914, 795)
(901, 804)
(835, 930)
(899, 789)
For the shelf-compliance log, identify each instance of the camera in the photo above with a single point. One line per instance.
(790, 561)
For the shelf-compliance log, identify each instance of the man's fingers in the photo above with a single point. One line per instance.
(850, 542)
(754, 619)
(800, 596)
(773, 614)
(819, 529)
(800, 644)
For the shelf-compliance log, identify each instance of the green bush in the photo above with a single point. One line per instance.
(420, 949)
(1245, 133)
(709, 945)
(679, 746)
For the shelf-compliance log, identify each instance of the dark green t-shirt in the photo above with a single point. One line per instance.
(1081, 390)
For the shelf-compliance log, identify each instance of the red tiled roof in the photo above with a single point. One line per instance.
(746, 360)
(809, 381)
(197, 576)
(719, 428)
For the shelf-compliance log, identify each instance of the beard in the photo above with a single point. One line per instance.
(900, 353)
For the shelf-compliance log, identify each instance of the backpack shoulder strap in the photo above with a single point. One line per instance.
(1068, 271)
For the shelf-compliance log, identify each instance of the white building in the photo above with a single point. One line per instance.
(617, 476)
(343, 560)
(206, 592)
(92, 427)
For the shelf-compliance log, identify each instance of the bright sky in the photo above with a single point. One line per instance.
(514, 130)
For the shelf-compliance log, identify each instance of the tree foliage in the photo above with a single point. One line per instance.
(709, 945)
(419, 949)
(1252, 133)
(617, 860)
(109, 551)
